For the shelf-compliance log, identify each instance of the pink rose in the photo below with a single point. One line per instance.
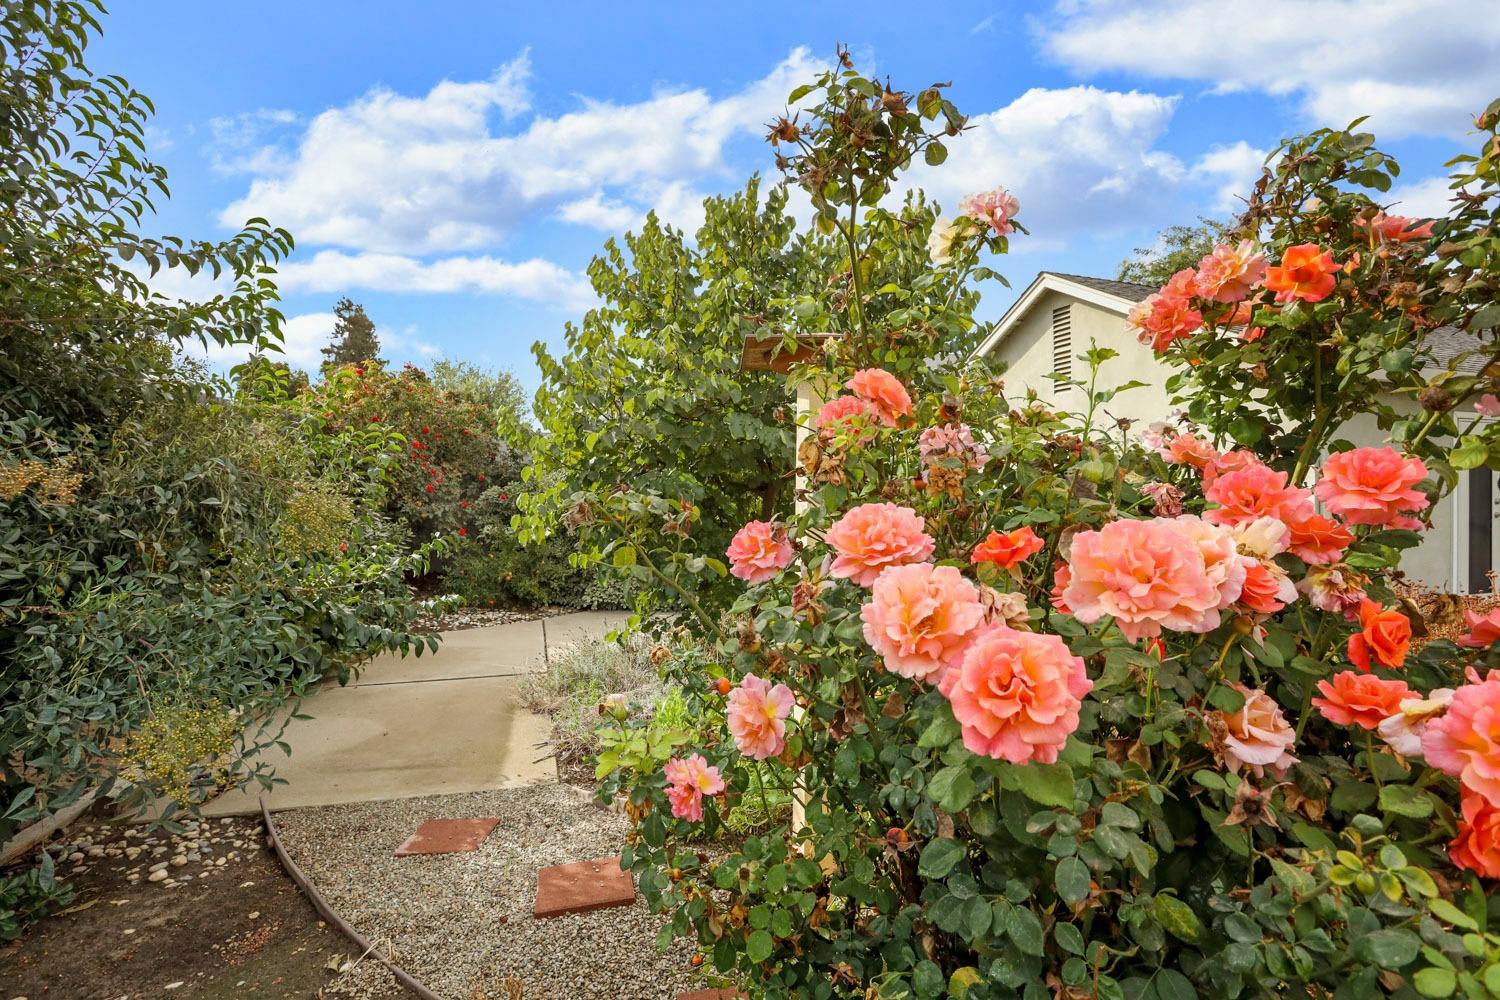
(1188, 449)
(872, 536)
(1364, 700)
(1166, 499)
(1319, 540)
(1254, 492)
(995, 208)
(1465, 741)
(1395, 228)
(757, 713)
(1477, 846)
(1484, 630)
(687, 782)
(1402, 730)
(1334, 588)
(1372, 485)
(919, 618)
(1257, 736)
(1151, 575)
(1016, 694)
(847, 413)
(1230, 461)
(1167, 315)
(952, 441)
(1487, 405)
(759, 551)
(1228, 274)
(884, 390)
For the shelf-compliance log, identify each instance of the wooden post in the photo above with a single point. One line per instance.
(769, 354)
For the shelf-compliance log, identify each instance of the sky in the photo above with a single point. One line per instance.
(454, 166)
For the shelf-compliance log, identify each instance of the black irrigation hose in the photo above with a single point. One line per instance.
(327, 912)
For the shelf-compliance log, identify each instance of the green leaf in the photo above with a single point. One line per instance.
(1435, 982)
(1444, 910)
(1471, 453)
(1176, 917)
(1173, 985)
(939, 857)
(1390, 949)
(1072, 880)
(759, 946)
(1049, 784)
(951, 788)
(624, 555)
(940, 732)
(936, 154)
(1406, 800)
(1024, 928)
(962, 980)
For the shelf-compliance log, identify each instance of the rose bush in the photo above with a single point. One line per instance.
(1191, 744)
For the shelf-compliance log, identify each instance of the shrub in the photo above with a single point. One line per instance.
(168, 551)
(1079, 713)
(573, 685)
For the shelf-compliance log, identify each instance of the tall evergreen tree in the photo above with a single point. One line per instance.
(353, 338)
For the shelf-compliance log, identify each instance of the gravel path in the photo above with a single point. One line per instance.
(462, 923)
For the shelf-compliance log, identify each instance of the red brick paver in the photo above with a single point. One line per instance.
(447, 836)
(582, 886)
(721, 994)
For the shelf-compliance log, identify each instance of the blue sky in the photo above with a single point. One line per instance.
(454, 166)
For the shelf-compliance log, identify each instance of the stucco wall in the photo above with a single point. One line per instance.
(1028, 350)
(1437, 561)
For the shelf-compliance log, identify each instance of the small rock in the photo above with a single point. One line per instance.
(158, 866)
(254, 914)
(179, 861)
(157, 875)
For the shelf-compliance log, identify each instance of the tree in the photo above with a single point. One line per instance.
(497, 391)
(649, 422)
(353, 339)
(1175, 248)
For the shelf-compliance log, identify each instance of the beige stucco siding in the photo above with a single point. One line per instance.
(1027, 352)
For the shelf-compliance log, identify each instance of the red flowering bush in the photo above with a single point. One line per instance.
(1091, 714)
(450, 447)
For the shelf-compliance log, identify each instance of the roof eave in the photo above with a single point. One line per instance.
(1043, 283)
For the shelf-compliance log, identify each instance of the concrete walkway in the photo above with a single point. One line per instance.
(439, 723)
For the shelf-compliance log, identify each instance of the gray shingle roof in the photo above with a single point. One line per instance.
(1124, 289)
(1448, 342)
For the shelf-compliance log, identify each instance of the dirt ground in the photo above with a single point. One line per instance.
(237, 930)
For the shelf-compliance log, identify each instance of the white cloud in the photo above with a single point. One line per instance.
(1081, 160)
(1234, 169)
(1413, 67)
(535, 279)
(430, 174)
(1420, 199)
(600, 212)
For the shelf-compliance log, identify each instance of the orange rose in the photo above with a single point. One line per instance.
(1384, 634)
(1006, 549)
(1363, 700)
(1306, 273)
(1477, 846)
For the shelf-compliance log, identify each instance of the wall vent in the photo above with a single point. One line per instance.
(1062, 341)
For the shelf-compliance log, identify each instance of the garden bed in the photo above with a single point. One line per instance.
(462, 923)
(239, 928)
(467, 618)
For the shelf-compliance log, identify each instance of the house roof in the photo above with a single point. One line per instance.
(1134, 291)
(1115, 296)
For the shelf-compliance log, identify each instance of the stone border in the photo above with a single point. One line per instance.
(327, 912)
